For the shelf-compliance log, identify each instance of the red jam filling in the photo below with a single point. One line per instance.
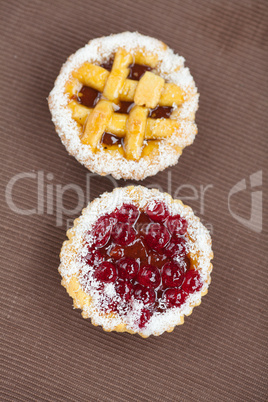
(111, 139)
(136, 71)
(108, 65)
(88, 96)
(144, 254)
(160, 112)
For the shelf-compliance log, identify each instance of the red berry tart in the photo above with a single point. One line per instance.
(136, 261)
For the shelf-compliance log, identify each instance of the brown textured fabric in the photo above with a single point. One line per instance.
(49, 352)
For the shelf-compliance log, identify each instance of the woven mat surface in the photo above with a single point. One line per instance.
(49, 352)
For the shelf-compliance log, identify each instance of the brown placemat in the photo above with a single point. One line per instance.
(51, 353)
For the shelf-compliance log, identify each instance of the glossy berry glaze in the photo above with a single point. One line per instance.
(144, 254)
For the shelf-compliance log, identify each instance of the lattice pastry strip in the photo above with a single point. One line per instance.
(97, 123)
(149, 90)
(118, 75)
(92, 76)
(135, 132)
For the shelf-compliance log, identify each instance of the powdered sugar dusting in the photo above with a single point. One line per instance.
(72, 264)
(171, 67)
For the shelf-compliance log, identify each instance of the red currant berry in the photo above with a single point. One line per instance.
(123, 234)
(144, 318)
(192, 282)
(112, 305)
(101, 231)
(149, 276)
(147, 296)
(157, 211)
(106, 272)
(176, 247)
(124, 289)
(93, 257)
(127, 268)
(127, 213)
(157, 236)
(174, 297)
(172, 275)
(177, 225)
(183, 261)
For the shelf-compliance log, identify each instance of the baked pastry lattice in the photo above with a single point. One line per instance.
(125, 105)
(147, 94)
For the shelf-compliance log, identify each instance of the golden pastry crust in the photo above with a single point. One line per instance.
(200, 254)
(150, 144)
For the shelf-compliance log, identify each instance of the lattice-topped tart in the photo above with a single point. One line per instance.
(125, 105)
(136, 261)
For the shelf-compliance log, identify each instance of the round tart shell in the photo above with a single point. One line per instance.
(200, 256)
(155, 158)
